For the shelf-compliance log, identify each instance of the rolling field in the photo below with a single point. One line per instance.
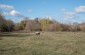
(48, 43)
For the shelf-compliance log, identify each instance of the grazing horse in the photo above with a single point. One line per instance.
(37, 33)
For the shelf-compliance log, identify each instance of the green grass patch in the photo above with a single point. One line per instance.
(48, 43)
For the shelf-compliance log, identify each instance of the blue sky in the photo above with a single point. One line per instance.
(60, 10)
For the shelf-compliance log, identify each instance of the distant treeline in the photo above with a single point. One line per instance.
(45, 24)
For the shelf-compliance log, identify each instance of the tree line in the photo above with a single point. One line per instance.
(37, 24)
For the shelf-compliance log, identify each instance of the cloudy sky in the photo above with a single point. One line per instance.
(60, 10)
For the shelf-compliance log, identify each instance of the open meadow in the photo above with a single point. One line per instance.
(48, 43)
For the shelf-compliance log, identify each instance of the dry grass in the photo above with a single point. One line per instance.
(48, 43)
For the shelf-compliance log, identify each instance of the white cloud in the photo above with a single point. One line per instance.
(11, 11)
(14, 13)
(69, 15)
(7, 7)
(64, 10)
(30, 10)
(49, 17)
(80, 9)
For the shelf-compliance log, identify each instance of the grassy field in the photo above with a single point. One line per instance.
(48, 43)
